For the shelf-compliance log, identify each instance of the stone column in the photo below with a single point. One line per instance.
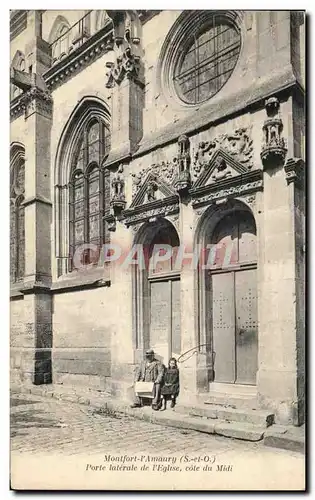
(38, 219)
(279, 380)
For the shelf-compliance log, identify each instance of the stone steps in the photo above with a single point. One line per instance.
(228, 414)
(236, 430)
(236, 401)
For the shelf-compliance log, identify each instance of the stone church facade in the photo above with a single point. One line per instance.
(183, 128)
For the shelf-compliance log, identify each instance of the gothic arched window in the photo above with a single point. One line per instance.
(19, 64)
(17, 226)
(87, 189)
(59, 39)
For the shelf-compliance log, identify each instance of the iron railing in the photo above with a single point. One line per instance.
(72, 38)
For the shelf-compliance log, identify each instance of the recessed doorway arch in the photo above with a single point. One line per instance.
(227, 293)
(156, 291)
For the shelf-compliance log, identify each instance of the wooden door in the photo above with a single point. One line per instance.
(223, 327)
(165, 336)
(234, 326)
(246, 331)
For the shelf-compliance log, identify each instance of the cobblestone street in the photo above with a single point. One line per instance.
(43, 428)
(39, 424)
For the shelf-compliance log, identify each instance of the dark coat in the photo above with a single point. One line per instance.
(150, 372)
(171, 382)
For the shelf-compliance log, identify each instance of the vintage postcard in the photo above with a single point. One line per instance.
(157, 249)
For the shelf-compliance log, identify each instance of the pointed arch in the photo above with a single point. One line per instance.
(81, 185)
(60, 23)
(18, 62)
(59, 38)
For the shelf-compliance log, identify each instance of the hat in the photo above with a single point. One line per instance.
(149, 351)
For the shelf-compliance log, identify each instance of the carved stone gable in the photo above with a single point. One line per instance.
(221, 166)
(239, 146)
(153, 188)
(166, 171)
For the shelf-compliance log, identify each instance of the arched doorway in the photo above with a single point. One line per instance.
(230, 296)
(157, 291)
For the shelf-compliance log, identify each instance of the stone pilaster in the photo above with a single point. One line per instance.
(37, 50)
(123, 341)
(193, 367)
(37, 104)
(281, 336)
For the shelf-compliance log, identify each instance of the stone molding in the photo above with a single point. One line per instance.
(37, 199)
(155, 209)
(227, 188)
(295, 171)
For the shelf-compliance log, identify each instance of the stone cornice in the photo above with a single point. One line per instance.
(232, 187)
(97, 45)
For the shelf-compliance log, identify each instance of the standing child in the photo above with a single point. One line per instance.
(170, 388)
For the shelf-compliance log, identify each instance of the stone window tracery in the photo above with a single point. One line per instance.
(199, 55)
(87, 189)
(17, 224)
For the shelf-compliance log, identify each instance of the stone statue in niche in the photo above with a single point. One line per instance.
(183, 164)
(222, 171)
(273, 147)
(118, 201)
(150, 191)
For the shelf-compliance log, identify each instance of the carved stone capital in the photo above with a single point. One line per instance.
(127, 63)
(37, 100)
(126, 66)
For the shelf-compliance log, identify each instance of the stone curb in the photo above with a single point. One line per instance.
(278, 439)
